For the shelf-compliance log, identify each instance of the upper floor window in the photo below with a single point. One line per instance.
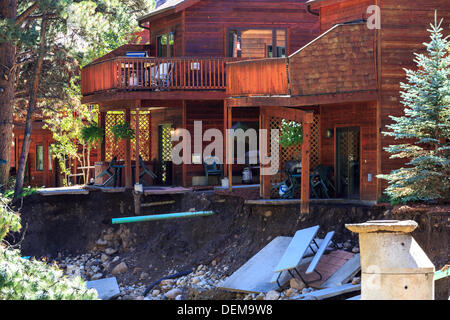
(165, 45)
(257, 43)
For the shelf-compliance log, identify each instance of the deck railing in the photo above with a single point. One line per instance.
(182, 73)
(257, 77)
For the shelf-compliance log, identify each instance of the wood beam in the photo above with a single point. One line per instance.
(137, 168)
(230, 153)
(184, 125)
(225, 127)
(298, 101)
(101, 156)
(128, 153)
(304, 196)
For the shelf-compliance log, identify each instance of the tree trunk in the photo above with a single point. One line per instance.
(8, 10)
(31, 107)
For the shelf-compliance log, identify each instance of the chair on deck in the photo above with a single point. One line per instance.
(213, 168)
(164, 74)
(288, 188)
(320, 179)
(111, 175)
(145, 171)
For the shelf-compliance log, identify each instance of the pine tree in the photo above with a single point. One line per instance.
(425, 126)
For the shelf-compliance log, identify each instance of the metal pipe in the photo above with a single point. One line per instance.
(166, 216)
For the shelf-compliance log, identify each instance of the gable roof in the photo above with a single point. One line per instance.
(167, 5)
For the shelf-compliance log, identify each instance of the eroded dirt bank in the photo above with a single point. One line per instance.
(61, 226)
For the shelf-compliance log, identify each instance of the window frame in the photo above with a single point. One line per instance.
(41, 156)
(229, 29)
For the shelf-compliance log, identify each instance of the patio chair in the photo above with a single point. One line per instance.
(302, 242)
(213, 168)
(111, 175)
(164, 74)
(320, 179)
(145, 170)
(288, 187)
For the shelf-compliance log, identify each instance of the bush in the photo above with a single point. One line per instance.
(22, 279)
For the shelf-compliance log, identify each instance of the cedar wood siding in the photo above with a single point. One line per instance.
(206, 23)
(342, 60)
(200, 30)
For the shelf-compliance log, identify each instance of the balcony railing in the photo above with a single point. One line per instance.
(155, 74)
(258, 77)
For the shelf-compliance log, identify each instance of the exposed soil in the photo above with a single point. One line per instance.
(70, 225)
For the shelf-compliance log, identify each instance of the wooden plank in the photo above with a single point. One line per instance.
(330, 292)
(62, 191)
(358, 297)
(304, 197)
(345, 273)
(297, 249)
(254, 276)
(320, 252)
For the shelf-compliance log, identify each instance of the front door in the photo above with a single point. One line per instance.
(165, 153)
(348, 162)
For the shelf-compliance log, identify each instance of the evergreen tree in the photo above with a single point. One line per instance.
(424, 127)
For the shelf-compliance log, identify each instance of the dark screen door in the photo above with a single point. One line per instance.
(348, 162)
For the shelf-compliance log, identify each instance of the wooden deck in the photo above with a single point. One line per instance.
(283, 202)
(154, 74)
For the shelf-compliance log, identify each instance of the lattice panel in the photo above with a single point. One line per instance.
(144, 136)
(293, 153)
(113, 148)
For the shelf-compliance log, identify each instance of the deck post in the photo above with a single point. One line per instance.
(230, 144)
(184, 126)
(102, 124)
(265, 187)
(304, 197)
(137, 168)
(225, 127)
(128, 152)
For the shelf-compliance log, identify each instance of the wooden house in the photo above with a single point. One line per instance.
(42, 168)
(319, 62)
(349, 78)
(184, 77)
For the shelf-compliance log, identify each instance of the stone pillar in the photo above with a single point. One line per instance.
(393, 265)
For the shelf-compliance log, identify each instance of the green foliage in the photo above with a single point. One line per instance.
(92, 134)
(9, 220)
(424, 127)
(22, 279)
(291, 133)
(26, 192)
(122, 131)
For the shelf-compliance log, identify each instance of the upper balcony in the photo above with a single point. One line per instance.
(125, 78)
(338, 66)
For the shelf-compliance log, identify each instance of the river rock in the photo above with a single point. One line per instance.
(120, 268)
(172, 294)
(272, 295)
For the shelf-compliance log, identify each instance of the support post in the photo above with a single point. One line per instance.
(304, 197)
(225, 127)
(127, 153)
(137, 168)
(230, 144)
(101, 156)
(184, 125)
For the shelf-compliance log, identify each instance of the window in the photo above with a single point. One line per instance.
(165, 45)
(39, 158)
(50, 160)
(257, 43)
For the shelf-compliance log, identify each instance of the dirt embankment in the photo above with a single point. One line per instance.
(74, 224)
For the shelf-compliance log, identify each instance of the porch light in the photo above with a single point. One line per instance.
(329, 133)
